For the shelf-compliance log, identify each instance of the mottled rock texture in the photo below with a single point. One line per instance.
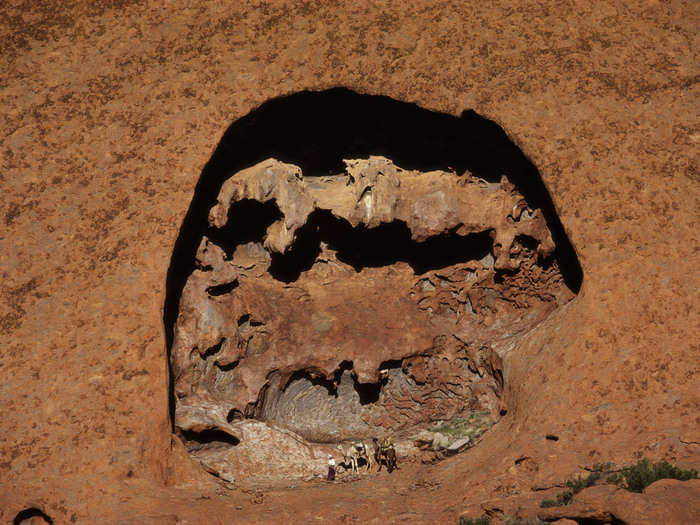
(355, 305)
(110, 112)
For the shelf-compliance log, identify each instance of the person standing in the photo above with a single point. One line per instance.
(331, 468)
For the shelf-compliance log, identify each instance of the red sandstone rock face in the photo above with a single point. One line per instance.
(110, 113)
(666, 501)
(354, 305)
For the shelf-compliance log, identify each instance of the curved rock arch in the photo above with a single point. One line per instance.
(320, 136)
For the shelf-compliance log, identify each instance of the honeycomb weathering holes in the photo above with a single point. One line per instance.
(353, 266)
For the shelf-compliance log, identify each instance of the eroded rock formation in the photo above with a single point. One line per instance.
(112, 109)
(355, 305)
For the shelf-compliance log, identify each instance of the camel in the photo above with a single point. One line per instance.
(354, 453)
(349, 459)
(384, 453)
(363, 453)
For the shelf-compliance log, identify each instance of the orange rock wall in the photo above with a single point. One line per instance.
(111, 110)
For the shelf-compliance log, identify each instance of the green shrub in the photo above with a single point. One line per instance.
(578, 484)
(634, 478)
(614, 478)
(603, 467)
(483, 520)
(472, 426)
(563, 498)
(638, 477)
(575, 485)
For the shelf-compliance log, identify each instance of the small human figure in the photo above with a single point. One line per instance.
(331, 468)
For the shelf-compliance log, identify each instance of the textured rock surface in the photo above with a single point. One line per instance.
(355, 305)
(110, 112)
(666, 501)
(263, 453)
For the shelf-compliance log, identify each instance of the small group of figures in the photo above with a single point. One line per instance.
(384, 454)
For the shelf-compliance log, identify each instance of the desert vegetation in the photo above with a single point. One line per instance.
(637, 477)
(634, 478)
(471, 426)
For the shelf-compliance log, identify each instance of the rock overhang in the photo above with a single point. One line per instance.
(305, 282)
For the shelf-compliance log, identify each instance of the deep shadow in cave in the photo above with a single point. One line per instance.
(367, 392)
(371, 247)
(359, 247)
(247, 221)
(29, 513)
(317, 130)
(194, 439)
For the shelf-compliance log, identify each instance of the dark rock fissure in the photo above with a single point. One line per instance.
(222, 289)
(198, 439)
(362, 247)
(233, 415)
(248, 220)
(315, 377)
(226, 367)
(213, 349)
(391, 364)
(367, 392)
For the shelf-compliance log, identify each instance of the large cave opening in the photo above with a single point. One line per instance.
(353, 267)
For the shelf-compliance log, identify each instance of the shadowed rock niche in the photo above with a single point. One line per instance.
(353, 267)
